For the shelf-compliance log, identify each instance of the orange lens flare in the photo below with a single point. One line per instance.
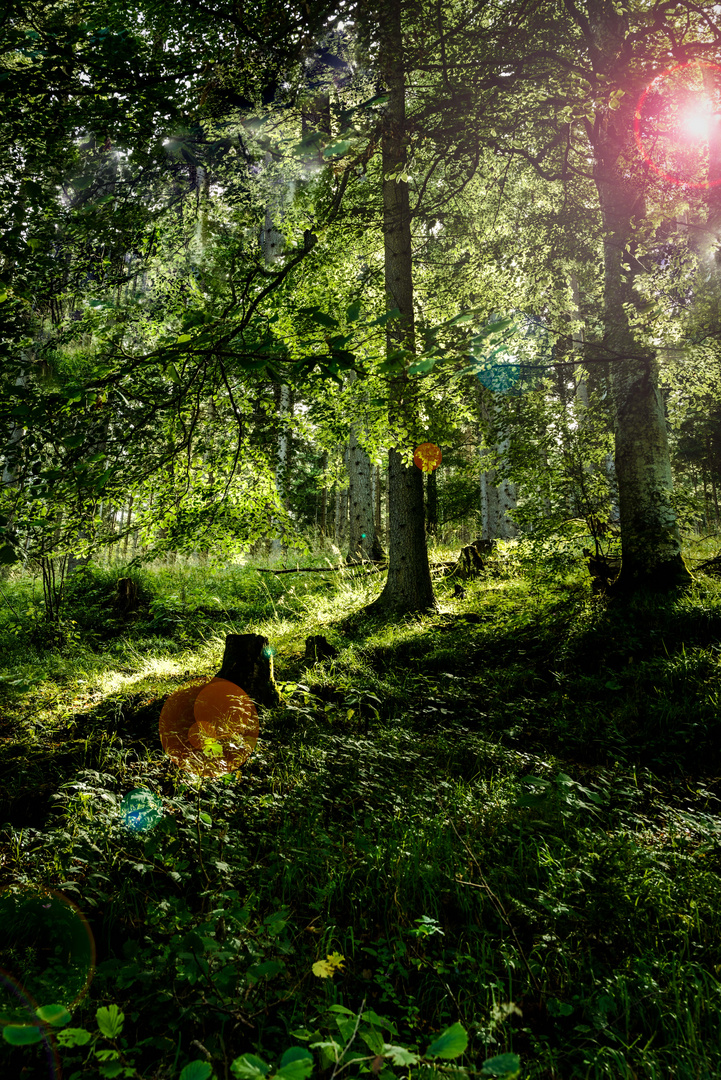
(427, 457)
(209, 728)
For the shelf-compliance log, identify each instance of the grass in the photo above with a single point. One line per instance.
(509, 820)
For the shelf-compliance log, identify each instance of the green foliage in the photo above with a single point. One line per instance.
(405, 770)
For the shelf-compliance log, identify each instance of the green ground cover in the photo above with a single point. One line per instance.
(503, 815)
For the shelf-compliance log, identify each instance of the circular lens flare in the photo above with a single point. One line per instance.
(676, 125)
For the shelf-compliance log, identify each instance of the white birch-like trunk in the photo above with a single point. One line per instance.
(498, 497)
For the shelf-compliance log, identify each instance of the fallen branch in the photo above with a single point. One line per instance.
(368, 564)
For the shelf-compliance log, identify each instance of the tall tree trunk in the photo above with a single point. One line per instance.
(650, 537)
(272, 242)
(408, 586)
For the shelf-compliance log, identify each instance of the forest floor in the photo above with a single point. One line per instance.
(503, 814)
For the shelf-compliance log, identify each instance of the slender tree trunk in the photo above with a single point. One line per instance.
(498, 497)
(432, 503)
(324, 496)
(127, 526)
(362, 540)
(282, 460)
(408, 586)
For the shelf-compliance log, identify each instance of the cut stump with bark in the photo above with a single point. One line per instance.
(470, 563)
(248, 662)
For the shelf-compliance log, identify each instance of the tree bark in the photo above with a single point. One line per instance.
(432, 503)
(362, 540)
(650, 537)
(282, 461)
(498, 497)
(324, 496)
(248, 662)
(408, 586)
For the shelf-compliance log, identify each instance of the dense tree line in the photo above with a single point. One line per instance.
(252, 261)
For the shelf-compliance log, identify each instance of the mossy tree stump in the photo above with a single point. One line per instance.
(248, 662)
(470, 563)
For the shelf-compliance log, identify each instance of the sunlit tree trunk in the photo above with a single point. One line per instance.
(650, 537)
(324, 497)
(498, 495)
(408, 586)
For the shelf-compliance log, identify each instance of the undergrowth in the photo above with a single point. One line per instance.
(503, 816)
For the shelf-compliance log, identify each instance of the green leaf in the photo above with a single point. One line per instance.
(110, 1021)
(21, 1035)
(493, 328)
(353, 310)
(73, 1037)
(373, 1040)
(503, 1065)
(379, 99)
(379, 1021)
(249, 1067)
(112, 1070)
(196, 1070)
(399, 1055)
(55, 1015)
(172, 372)
(206, 818)
(323, 319)
(336, 149)
(267, 970)
(296, 1064)
(450, 1044)
(184, 337)
(8, 555)
(421, 366)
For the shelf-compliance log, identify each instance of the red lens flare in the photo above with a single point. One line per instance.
(676, 125)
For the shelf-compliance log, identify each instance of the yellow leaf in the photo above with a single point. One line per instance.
(326, 969)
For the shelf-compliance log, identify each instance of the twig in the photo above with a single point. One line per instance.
(9, 605)
(496, 903)
(355, 1032)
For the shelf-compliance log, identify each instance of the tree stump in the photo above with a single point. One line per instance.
(604, 570)
(126, 599)
(470, 563)
(317, 649)
(248, 662)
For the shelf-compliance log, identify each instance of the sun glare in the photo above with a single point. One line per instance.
(695, 121)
